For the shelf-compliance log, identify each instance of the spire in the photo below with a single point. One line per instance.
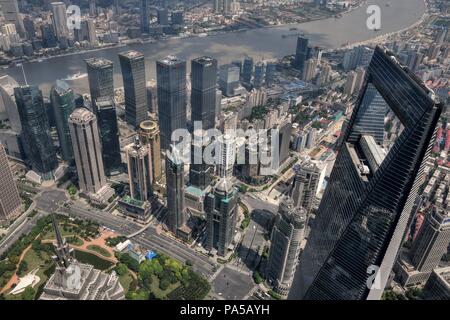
(63, 250)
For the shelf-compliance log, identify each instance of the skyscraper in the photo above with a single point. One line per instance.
(247, 70)
(101, 81)
(427, 249)
(145, 16)
(175, 190)
(133, 74)
(203, 91)
(109, 133)
(350, 84)
(309, 70)
(306, 184)
(271, 69)
(221, 214)
(163, 16)
(88, 159)
(10, 10)
(285, 131)
(199, 172)
(364, 213)
(228, 79)
(227, 155)
(37, 143)
(63, 103)
(9, 194)
(287, 236)
(171, 87)
(139, 170)
(260, 73)
(59, 20)
(149, 135)
(301, 53)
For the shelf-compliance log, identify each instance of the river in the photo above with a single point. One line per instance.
(258, 43)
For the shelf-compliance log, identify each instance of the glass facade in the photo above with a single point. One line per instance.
(203, 93)
(171, 87)
(363, 216)
(37, 143)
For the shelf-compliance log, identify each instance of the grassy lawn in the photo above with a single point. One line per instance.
(154, 287)
(89, 258)
(51, 234)
(99, 250)
(76, 241)
(34, 261)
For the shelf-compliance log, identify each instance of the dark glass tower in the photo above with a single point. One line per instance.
(171, 87)
(145, 16)
(133, 73)
(175, 190)
(301, 53)
(221, 214)
(203, 94)
(101, 81)
(63, 102)
(109, 133)
(247, 70)
(199, 172)
(366, 208)
(37, 142)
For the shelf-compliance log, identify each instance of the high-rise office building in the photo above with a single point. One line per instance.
(163, 16)
(285, 131)
(227, 155)
(228, 79)
(309, 70)
(305, 184)
(203, 91)
(10, 10)
(59, 20)
(145, 15)
(287, 236)
(29, 26)
(427, 249)
(63, 102)
(350, 84)
(48, 36)
(364, 213)
(176, 208)
(149, 135)
(260, 74)
(247, 70)
(177, 17)
(221, 215)
(88, 158)
(171, 87)
(301, 53)
(92, 8)
(139, 170)
(10, 205)
(271, 69)
(133, 74)
(438, 285)
(109, 133)
(36, 139)
(360, 76)
(101, 79)
(199, 172)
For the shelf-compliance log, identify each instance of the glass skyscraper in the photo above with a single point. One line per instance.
(203, 93)
(63, 102)
(366, 208)
(109, 133)
(134, 85)
(171, 87)
(101, 79)
(37, 143)
(301, 53)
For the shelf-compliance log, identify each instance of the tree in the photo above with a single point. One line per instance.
(121, 269)
(23, 267)
(28, 293)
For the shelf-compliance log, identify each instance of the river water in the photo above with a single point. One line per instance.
(258, 43)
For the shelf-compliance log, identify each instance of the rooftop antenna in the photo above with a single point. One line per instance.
(24, 76)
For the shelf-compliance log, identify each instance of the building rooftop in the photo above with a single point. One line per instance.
(170, 60)
(98, 62)
(132, 54)
(81, 115)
